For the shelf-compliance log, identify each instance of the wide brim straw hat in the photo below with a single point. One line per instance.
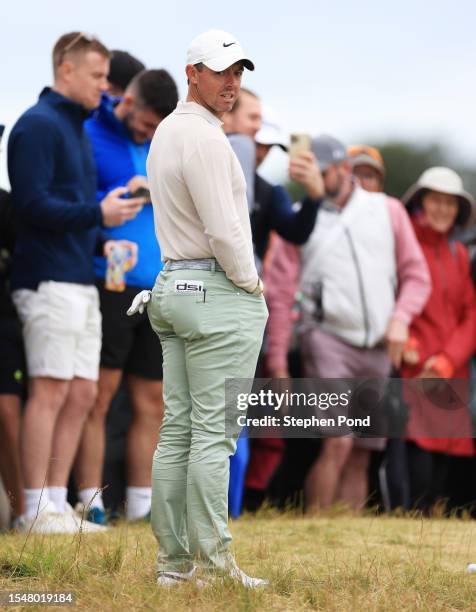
(443, 180)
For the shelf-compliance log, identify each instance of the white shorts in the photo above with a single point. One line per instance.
(61, 329)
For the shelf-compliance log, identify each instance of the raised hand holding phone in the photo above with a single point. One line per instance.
(303, 166)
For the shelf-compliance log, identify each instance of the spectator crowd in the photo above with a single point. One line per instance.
(358, 285)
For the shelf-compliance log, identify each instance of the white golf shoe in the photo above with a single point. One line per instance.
(247, 581)
(169, 579)
(233, 572)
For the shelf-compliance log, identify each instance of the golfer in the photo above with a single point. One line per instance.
(208, 309)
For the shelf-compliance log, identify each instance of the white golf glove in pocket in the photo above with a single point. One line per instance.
(139, 303)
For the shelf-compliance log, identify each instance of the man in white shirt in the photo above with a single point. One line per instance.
(207, 308)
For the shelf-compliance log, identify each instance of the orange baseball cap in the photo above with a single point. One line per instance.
(360, 155)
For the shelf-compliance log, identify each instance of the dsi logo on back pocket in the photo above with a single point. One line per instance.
(188, 286)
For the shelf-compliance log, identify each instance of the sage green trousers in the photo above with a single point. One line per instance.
(207, 336)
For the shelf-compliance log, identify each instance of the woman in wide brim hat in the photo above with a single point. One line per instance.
(443, 337)
(444, 181)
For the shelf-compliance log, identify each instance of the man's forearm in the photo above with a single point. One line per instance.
(50, 213)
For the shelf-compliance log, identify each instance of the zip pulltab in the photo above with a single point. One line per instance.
(204, 294)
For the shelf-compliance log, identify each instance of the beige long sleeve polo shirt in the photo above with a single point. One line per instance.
(198, 193)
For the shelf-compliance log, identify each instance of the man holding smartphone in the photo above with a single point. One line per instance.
(271, 207)
(53, 183)
(271, 210)
(120, 132)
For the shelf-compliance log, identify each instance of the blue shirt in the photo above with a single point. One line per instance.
(53, 181)
(118, 159)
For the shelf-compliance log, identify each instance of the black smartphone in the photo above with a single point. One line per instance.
(142, 192)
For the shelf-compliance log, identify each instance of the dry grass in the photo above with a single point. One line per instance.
(326, 563)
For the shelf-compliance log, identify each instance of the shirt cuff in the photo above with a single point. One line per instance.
(308, 201)
(259, 289)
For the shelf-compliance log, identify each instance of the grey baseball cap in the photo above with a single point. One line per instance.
(328, 150)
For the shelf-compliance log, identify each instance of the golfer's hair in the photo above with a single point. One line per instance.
(155, 90)
(76, 44)
(243, 90)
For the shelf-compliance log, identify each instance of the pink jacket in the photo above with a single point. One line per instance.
(282, 275)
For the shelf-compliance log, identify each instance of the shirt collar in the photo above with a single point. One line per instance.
(57, 99)
(192, 108)
(329, 205)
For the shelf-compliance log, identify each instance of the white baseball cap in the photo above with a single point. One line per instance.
(218, 50)
(271, 132)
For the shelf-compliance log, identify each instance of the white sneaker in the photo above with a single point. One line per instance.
(175, 578)
(247, 581)
(81, 523)
(235, 573)
(48, 520)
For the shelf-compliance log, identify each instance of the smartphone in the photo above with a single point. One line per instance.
(299, 143)
(142, 192)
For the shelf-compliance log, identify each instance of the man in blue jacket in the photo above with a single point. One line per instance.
(120, 133)
(53, 183)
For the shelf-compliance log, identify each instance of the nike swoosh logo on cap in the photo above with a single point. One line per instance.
(229, 44)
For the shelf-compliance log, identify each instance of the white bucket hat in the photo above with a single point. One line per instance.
(218, 50)
(443, 180)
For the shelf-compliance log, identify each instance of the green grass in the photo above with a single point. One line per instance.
(330, 562)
